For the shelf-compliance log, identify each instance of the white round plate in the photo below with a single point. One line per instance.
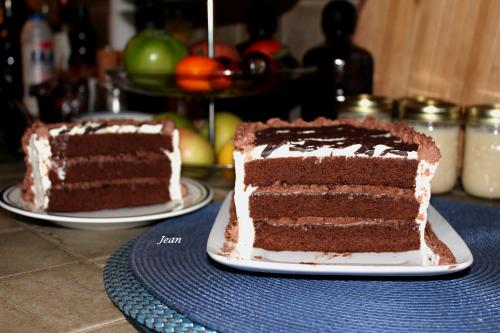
(110, 219)
(139, 116)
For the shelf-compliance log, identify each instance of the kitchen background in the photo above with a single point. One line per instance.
(447, 48)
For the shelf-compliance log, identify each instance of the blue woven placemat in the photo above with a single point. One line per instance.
(141, 309)
(182, 277)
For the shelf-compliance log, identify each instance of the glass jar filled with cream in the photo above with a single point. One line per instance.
(440, 120)
(481, 171)
(363, 106)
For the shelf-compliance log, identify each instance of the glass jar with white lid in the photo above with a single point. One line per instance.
(481, 171)
(362, 106)
(440, 120)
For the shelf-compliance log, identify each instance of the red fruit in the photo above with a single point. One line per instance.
(268, 47)
(221, 50)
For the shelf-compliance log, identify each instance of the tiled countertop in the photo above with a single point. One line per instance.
(51, 277)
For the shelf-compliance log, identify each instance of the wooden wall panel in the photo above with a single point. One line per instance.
(443, 48)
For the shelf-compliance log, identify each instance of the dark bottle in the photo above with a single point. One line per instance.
(343, 68)
(261, 24)
(13, 115)
(83, 39)
(14, 119)
(12, 17)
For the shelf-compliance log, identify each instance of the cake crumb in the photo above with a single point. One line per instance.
(308, 263)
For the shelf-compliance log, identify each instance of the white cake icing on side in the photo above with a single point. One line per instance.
(425, 172)
(39, 156)
(175, 163)
(242, 193)
(285, 151)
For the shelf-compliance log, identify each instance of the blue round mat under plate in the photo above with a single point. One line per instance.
(182, 277)
(141, 309)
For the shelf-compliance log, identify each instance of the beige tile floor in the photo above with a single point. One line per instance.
(51, 277)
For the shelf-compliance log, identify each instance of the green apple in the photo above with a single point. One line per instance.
(180, 121)
(151, 55)
(195, 149)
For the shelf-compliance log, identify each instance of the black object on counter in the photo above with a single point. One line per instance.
(261, 22)
(12, 17)
(343, 68)
(13, 115)
(83, 39)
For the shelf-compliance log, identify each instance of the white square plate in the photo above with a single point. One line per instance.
(367, 264)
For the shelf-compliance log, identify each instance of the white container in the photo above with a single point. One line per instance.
(38, 57)
(440, 120)
(481, 170)
(362, 106)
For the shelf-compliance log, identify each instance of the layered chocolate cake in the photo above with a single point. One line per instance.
(101, 165)
(329, 186)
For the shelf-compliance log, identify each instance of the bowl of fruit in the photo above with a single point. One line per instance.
(155, 63)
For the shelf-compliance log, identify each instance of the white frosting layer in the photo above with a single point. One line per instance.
(242, 193)
(39, 156)
(286, 151)
(81, 129)
(425, 172)
(175, 160)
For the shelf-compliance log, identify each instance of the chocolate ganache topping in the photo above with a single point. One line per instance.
(307, 139)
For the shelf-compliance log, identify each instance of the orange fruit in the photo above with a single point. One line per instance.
(200, 74)
(225, 157)
(226, 154)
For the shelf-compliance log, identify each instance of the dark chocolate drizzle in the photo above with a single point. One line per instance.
(306, 139)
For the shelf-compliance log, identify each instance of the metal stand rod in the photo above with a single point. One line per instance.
(210, 28)
(211, 54)
(211, 121)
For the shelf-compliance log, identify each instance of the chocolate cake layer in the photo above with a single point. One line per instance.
(338, 235)
(332, 170)
(108, 195)
(333, 201)
(67, 146)
(125, 166)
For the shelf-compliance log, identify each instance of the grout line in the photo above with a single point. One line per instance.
(101, 257)
(48, 237)
(11, 229)
(94, 327)
(98, 265)
(38, 270)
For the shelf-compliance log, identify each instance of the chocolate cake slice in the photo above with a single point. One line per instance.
(340, 186)
(101, 165)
